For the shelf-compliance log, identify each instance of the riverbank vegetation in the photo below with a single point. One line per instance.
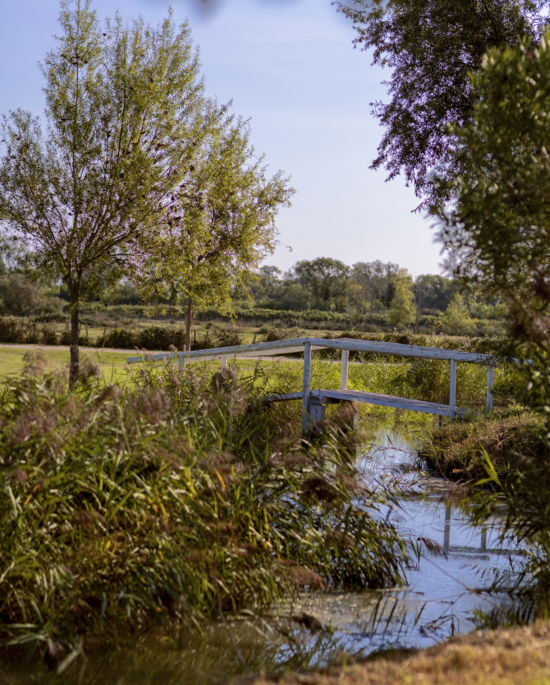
(510, 437)
(165, 504)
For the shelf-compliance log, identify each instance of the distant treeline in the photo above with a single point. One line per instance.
(325, 285)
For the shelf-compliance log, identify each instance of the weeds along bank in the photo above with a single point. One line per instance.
(128, 332)
(128, 335)
(166, 504)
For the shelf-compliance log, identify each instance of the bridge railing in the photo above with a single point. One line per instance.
(346, 345)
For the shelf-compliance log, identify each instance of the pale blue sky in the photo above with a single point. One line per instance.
(291, 67)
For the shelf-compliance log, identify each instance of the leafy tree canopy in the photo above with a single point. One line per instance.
(220, 221)
(403, 308)
(498, 229)
(125, 119)
(376, 281)
(327, 279)
(431, 46)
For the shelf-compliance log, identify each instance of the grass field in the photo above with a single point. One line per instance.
(112, 364)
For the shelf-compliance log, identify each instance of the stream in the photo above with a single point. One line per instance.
(443, 596)
(445, 591)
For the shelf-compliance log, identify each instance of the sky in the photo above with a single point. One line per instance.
(289, 66)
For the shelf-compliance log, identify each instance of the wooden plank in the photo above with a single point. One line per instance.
(490, 383)
(387, 401)
(306, 388)
(452, 393)
(344, 370)
(297, 344)
(272, 348)
(400, 350)
(282, 397)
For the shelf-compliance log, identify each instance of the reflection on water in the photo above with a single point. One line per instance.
(449, 584)
(446, 587)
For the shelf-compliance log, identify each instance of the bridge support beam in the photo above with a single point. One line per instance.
(306, 389)
(490, 383)
(317, 411)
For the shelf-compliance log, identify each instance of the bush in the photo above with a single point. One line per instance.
(122, 511)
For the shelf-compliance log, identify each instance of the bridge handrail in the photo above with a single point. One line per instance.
(349, 344)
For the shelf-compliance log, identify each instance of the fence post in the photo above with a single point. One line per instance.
(181, 360)
(344, 370)
(223, 362)
(490, 379)
(306, 387)
(452, 398)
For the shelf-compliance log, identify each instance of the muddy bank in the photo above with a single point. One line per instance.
(519, 656)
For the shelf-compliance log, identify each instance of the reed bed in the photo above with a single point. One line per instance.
(167, 503)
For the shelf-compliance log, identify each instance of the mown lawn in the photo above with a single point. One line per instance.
(112, 364)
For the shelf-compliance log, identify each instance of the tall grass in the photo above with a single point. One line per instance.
(164, 504)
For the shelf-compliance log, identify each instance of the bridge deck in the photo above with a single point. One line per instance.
(370, 398)
(387, 401)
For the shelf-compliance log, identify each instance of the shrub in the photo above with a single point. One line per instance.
(125, 510)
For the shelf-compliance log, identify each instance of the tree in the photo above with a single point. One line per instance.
(357, 298)
(403, 309)
(220, 223)
(457, 319)
(124, 114)
(269, 278)
(434, 292)
(327, 279)
(376, 280)
(12, 256)
(498, 229)
(22, 297)
(431, 47)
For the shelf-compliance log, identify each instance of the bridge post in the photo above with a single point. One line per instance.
(317, 410)
(306, 388)
(452, 398)
(490, 381)
(344, 370)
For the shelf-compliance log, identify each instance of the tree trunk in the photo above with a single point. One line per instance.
(188, 323)
(75, 353)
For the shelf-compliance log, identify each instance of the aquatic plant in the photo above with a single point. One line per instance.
(156, 505)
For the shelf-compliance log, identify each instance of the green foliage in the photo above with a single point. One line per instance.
(375, 281)
(26, 331)
(326, 279)
(457, 319)
(433, 292)
(497, 232)
(457, 450)
(124, 112)
(22, 297)
(432, 46)
(125, 510)
(403, 308)
(220, 222)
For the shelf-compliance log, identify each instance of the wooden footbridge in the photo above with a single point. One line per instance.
(314, 401)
